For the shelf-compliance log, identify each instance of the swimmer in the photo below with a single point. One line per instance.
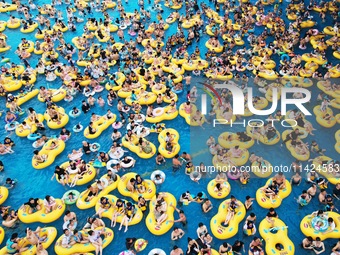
(10, 183)
(296, 179)
(182, 218)
(248, 203)
(177, 234)
(270, 217)
(33, 237)
(160, 159)
(206, 205)
(304, 198)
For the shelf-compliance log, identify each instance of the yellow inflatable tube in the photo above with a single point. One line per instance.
(320, 164)
(150, 220)
(162, 147)
(134, 147)
(82, 248)
(149, 187)
(51, 154)
(264, 172)
(233, 141)
(30, 28)
(83, 204)
(265, 202)
(108, 213)
(219, 77)
(21, 132)
(24, 98)
(218, 194)
(12, 85)
(221, 232)
(184, 114)
(280, 236)
(15, 23)
(100, 125)
(242, 159)
(320, 117)
(164, 116)
(89, 176)
(3, 195)
(57, 124)
(308, 222)
(41, 216)
(218, 49)
(337, 138)
(147, 99)
(329, 92)
(2, 235)
(301, 157)
(263, 138)
(49, 233)
(57, 95)
(124, 94)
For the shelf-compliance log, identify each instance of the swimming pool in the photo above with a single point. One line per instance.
(34, 183)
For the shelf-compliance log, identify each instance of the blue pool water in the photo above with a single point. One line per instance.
(37, 183)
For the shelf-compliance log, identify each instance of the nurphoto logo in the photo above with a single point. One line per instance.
(239, 100)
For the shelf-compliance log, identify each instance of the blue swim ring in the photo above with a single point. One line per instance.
(33, 137)
(94, 147)
(74, 115)
(75, 129)
(320, 224)
(11, 126)
(285, 57)
(176, 91)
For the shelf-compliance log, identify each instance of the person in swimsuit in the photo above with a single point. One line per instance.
(33, 205)
(177, 234)
(225, 249)
(193, 247)
(307, 243)
(304, 198)
(271, 215)
(12, 245)
(142, 204)
(50, 204)
(182, 217)
(144, 146)
(128, 216)
(93, 191)
(237, 247)
(96, 240)
(86, 147)
(255, 247)
(231, 205)
(139, 184)
(119, 210)
(336, 249)
(10, 117)
(206, 205)
(105, 204)
(176, 251)
(33, 237)
(318, 246)
(296, 179)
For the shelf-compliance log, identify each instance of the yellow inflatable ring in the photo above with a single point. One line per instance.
(218, 194)
(265, 202)
(221, 232)
(149, 187)
(150, 220)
